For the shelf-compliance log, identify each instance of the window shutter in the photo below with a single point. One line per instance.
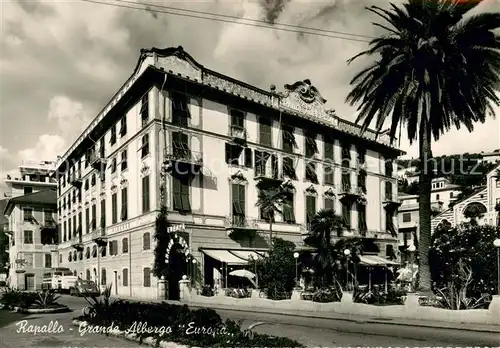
(248, 157)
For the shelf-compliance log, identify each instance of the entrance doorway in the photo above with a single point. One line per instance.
(30, 282)
(176, 269)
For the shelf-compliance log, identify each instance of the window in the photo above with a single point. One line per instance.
(125, 277)
(238, 204)
(113, 248)
(123, 126)
(265, 137)
(145, 194)
(65, 231)
(406, 217)
(451, 194)
(70, 230)
(181, 194)
(180, 145)
(287, 138)
(103, 252)
(124, 213)
(94, 216)
(346, 181)
(437, 197)
(248, 157)
(237, 119)
(389, 251)
(311, 146)
(147, 277)
(329, 203)
(362, 182)
(289, 209)
(28, 190)
(388, 167)
(114, 208)
(145, 145)
(361, 155)
(87, 253)
(103, 276)
(87, 274)
(289, 168)
(94, 251)
(28, 214)
(180, 109)
(86, 186)
(146, 241)
(125, 245)
(346, 215)
(103, 213)
(113, 165)
(311, 172)
(123, 163)
(346, 155)
(310, 208)
(87, 219)
(92, 180)
(60, 258)
(112, 141)
(362, 226)
(144, 109)
(28, 237)
(79, 230)
(233, 153)
(328, 175)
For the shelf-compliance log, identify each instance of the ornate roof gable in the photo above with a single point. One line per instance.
(303, 98)
(178, 61)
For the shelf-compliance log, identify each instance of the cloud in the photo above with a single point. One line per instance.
(62, 61)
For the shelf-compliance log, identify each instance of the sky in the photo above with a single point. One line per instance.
(61, 61)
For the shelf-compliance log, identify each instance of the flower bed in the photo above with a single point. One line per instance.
(160, 322)
(31, 302)
(379, 298)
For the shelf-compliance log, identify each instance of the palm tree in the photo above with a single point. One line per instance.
(271, 200)
(323, 224)
(434, 68)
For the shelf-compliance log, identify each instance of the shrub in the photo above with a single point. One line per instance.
(47, 299)
(376, 297)
(17, 298)
(179, 319)
(327, 295)
(207, 291)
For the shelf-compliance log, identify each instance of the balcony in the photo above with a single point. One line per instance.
(238, 134)
(76, 180)
(97, 161)
(238, 226)
(348, 192)
(183, 161)
(99, 236)
(77, 242)
(390, 201)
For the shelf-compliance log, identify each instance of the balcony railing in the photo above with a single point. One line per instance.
(97, 161)
(238, 224)
(349, 191)
(99, 236)
(183, 160)
(77, 242)
(238, 134)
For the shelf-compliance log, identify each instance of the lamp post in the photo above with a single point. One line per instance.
(194, 270)
(296, 257)
(496, 243)
(411, 249)
(347, 252)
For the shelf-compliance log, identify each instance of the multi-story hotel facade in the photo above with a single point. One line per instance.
(31, 224)
(199, 141)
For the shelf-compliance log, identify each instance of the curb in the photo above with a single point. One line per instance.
(133, 337)
(388, 321)
(64, 309)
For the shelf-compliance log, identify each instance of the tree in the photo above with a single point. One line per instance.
(434, 69)
(160, 267)
(323, 224)
(271, 200)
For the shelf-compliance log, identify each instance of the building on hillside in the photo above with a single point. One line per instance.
(34, 176)
(202, 141)
(4, 242)
(33, 240)
(491, 157)
(483, 201)
(443, 193)
(407, 173)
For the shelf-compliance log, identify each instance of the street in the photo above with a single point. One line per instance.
(335, 333)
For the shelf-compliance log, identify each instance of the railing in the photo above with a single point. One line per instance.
(237, 132)
(76, 178)
(349, 189)
(183, 155)
(76, 240)
(240, 221)
(98, 233)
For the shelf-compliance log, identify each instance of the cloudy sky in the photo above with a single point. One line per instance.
(61, 61)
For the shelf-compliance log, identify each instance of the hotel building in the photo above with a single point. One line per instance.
(179, 133)
(31, 224)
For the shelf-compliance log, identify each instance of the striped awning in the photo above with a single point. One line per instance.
(374, 260)
(246, 254)
(234, 257)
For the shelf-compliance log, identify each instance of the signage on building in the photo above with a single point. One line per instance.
(176, 228)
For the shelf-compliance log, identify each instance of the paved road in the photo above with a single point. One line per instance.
(335, 333)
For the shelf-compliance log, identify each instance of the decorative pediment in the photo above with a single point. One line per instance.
(145, 170)
(304, 98)
(237, 177)
(329, 193)
(114, 188)
(311, 190)
(362, 200)
(123, 182)
(103, 193)
(177, 60)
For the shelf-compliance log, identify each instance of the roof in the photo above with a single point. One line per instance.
(176, 62)
(45, 197)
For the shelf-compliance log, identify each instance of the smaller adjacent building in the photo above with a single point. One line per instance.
(30, 215)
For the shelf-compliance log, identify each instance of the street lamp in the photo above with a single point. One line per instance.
(496, 243)
(296, 257)
(347, 252)
(411, 249)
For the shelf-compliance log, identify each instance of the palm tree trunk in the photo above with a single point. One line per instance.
(426, 173)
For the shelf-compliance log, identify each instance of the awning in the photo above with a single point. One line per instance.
(224, 256)
(247, 255)
(373, 260)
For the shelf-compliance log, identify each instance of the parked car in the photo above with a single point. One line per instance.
(84, 287)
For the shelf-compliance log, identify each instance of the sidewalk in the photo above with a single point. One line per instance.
(342, 317)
